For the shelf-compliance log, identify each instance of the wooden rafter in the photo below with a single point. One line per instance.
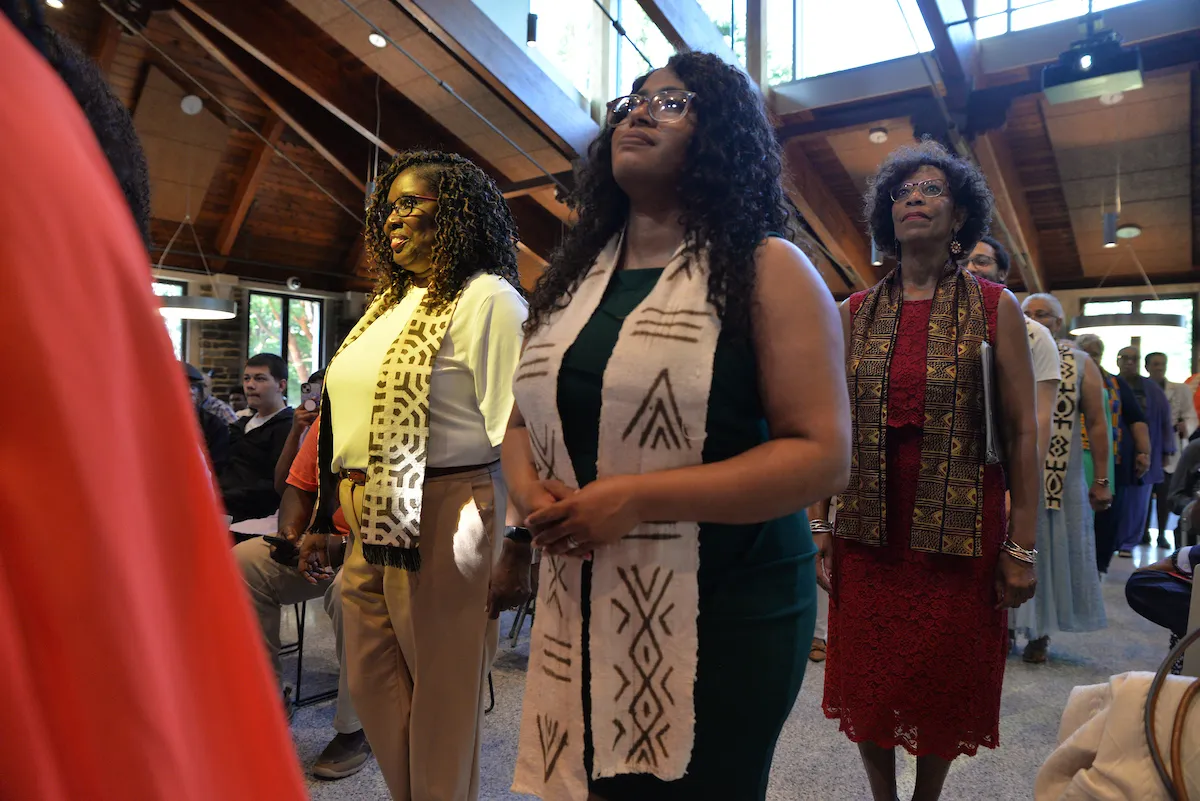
(311, 122)
(467, 31)
(756, 41)
(283, 41)
(821, 209)
(247, 188)
(954, 47)
(1011, 207)
(104, 44)
(688, 27)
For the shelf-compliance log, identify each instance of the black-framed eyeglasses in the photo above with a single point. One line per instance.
(934, 187)
(667, 106)
(405, 205)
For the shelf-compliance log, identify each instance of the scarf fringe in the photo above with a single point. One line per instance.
(390, 556)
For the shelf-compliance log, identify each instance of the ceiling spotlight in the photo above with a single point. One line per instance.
(1110, 229)
(376, 39)
(1129, 231)
(531, 30)
(191, 105)
(878, 135)
(55, 3)
(1112, 98)
(876, 256)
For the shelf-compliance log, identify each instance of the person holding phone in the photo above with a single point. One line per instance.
(302, 419)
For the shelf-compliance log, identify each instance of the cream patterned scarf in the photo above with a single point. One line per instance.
(399, 440)
(1062, 431)
(644, 599)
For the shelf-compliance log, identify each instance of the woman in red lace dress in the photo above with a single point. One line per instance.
(923, 565)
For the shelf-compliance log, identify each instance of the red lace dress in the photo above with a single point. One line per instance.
(916, 648)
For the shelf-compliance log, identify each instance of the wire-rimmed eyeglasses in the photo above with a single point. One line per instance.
(934, 187)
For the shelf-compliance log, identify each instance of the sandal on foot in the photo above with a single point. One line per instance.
(817, 653)
(1035, 650)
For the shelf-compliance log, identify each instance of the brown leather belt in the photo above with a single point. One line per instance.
(359, 477)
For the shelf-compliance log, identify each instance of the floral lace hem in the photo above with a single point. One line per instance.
(968, 743)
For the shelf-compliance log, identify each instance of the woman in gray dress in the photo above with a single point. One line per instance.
(1068, 597)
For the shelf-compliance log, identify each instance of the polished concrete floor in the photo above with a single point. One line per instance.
(813, 760)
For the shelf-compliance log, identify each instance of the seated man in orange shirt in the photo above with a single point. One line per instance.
(274, 585)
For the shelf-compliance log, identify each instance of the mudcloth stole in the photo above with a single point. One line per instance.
(644, 596)
(948, 515)
(399, 437)
(1062, 430)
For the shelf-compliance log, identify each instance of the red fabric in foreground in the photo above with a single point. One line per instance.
(916, 651)
(130, 665)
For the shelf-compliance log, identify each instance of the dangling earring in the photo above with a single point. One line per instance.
(956, 248)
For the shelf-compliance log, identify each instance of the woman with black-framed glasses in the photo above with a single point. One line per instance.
(662, 451)
(414, 406)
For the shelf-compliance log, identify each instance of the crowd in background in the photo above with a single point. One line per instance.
(985, 469)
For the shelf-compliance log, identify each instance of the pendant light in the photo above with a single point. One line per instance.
(193, 307)
(1129, 324)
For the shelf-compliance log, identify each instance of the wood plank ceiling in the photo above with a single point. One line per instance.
(304, 73)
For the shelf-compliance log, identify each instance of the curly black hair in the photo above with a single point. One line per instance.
(475, 229)
(730, 192)
(108, 117)
(968, 187)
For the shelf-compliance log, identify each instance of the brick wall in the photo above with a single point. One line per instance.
(222, 345)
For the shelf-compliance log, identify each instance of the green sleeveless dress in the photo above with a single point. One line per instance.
(757, 583)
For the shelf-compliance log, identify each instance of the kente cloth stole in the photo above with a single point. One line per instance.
(1062, 430)
(644, 595)
(948, 515)
(399, 435)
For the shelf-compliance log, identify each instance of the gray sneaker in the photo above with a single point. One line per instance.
(345, 755)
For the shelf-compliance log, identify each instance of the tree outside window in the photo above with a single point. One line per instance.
(289, 327)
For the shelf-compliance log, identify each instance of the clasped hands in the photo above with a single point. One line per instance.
(566, 521)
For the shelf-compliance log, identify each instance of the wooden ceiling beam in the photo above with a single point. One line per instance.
(844, 240)
(688, 27)
(954, 47)
(243, 197)
(103, 48)
(286, 42)
(756, 42)
(304, 116)
(466, 31)
(1012, 209)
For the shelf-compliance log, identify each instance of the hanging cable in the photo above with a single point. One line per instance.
(129, 27)
(620, 29)
(450, 90)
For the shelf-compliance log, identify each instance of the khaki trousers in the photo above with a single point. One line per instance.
(419, 645)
